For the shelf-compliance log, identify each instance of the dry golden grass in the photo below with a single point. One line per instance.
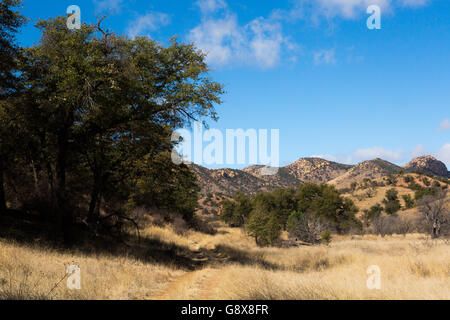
(234, 268)
(32, 272)
(410, 269)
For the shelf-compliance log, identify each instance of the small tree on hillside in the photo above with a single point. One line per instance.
(391, 202)
(409, 201)
(373, 213)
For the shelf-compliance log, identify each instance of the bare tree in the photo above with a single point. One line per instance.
(382, 225)
(435, 212)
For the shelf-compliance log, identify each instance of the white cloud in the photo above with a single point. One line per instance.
(415, 3)
(324, 57)
(418, 151)
(345, 8)
(146, 23)
(211, 6)
(267, 42)
(112, 6)
(378, 152)
(366, 154)
(444, 154)
(398, 157)
(340, 158)
(220, 39)
(260, 42)
(445, 125)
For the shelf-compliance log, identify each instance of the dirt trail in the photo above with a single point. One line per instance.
(172, 287)
(210, 285)
(197, 285)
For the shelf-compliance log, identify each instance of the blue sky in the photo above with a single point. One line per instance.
(311, 69)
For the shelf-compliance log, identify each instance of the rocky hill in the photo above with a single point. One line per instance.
(371, 169)
(251, 180)
(316, 170)
(230, 181)
(428, 165)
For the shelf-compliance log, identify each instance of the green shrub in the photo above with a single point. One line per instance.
(409, 201)
(391, 202)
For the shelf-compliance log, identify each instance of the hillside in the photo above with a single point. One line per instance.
(251, 180)
(428, 165)
(230, 181)
(316, 170)
(371, 169)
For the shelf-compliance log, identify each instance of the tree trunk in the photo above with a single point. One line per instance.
(2, 192)
(435, 230)
(36, 179)
(95, 193)
(64, 216)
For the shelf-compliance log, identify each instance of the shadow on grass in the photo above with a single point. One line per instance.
(28, 229)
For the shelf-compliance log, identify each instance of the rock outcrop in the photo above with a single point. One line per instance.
(428, 165)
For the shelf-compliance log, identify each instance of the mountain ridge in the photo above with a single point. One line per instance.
(250, 180)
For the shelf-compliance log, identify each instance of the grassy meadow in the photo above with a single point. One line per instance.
(228, 265)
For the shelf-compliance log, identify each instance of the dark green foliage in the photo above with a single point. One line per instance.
(94, 118)
(409, 201)
(373, 213)
(10, 22)
(324, 201)
(236, 212)
(305, 213)
(391, 180)
(264, 225)
(426, 181)
(162, 184)
(408, 179)
(391, 202)
(423, 192)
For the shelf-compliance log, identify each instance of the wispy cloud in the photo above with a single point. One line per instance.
(395, 156)
(415, 3)
(260, 42)
(347, 9)
(445, 125)
(324, 57)
(147, 23)
(110, 6)
(367, 154)
(211, 6)
(378, 152)
(418, 151)
(444, 154)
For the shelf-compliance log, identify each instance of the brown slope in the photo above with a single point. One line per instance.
(372, 169)
(230, 181)
(316, 170)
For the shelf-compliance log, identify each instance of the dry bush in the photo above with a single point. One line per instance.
(141, 216)
(179, 225)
